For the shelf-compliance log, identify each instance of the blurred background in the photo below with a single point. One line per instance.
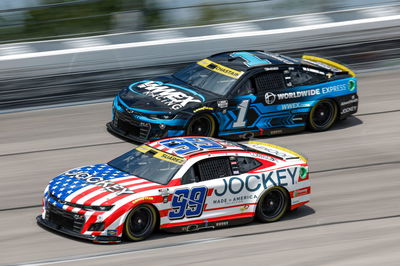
(89, 49)
(49, 19)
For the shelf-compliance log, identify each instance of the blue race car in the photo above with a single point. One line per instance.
(237, 95)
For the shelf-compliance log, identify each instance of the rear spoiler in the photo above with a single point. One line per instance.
(275, 150)
(329, 63)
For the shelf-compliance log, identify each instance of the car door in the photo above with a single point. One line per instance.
(210, 187)
(254, 104)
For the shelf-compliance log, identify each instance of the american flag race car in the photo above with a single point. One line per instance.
(178, 184)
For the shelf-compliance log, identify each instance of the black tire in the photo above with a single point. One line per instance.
(272, 205)
(322, 115)
(140, 222)
(201, 125)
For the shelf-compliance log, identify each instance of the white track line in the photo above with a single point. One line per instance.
(199, 38)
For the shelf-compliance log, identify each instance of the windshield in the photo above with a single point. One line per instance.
(148, 163)
(205, 79)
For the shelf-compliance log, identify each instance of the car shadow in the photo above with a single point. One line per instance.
(300, 212)
(349, 122)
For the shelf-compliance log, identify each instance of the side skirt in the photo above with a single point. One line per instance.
(208, 225)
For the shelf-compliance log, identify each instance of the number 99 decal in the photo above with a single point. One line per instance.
(189, 203)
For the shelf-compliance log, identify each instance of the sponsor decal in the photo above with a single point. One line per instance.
(276, 131)
(313, 70)
(348, 109)
(222, 104)
(204, 108)
(142, 198)
(270, 98)
(293, 106)
(161, 155)
(112, 232)
(349, 102)
(252, 183)
(303, 173)
(206, 63)
(311, 92)
(275, 150)
(262, 156)
(107, 185)
(225, 223)
(352, 85)
(174, 98)
(235, 200)
(271, 68)
(301, 192)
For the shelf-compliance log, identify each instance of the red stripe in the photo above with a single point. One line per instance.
(210, 191)
(228, 217)
(295, 206)
(304, 179)
(84, 193)
(164, 213)
(137, 184)
(91, 220)
(227, 207)
(94, 198)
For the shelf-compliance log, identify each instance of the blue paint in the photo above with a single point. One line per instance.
(250, 59)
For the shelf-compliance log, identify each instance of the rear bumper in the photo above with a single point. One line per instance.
(58, 228)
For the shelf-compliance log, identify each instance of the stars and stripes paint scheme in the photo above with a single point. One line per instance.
(192, 183)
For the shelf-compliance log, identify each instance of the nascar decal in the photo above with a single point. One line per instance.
(170, 95)
(106, 185)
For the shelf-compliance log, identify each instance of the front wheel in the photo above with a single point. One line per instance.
(272, 205)
(202, 125)
(140, 223)
(322, 115)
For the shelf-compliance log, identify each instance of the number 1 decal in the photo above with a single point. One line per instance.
(188, 203)
(250, 59)
(240, 121)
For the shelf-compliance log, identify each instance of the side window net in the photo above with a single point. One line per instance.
(299, 78)
(246, 164)
(214, 168)
(269, 81)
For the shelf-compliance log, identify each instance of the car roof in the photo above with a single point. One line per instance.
(236, 59)
(176, 145)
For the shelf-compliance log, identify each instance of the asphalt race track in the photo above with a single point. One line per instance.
(353, 218)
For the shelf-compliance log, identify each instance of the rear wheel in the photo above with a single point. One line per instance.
(202, 125)
(272, 205)
(322, 115)
(140, 223)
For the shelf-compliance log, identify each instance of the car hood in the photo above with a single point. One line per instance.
(95, 179)
(164, 94)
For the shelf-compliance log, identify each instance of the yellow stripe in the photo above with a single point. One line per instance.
(279, 148)
(220, 68)
(330, 63)
(143, 148)
(161, 155)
